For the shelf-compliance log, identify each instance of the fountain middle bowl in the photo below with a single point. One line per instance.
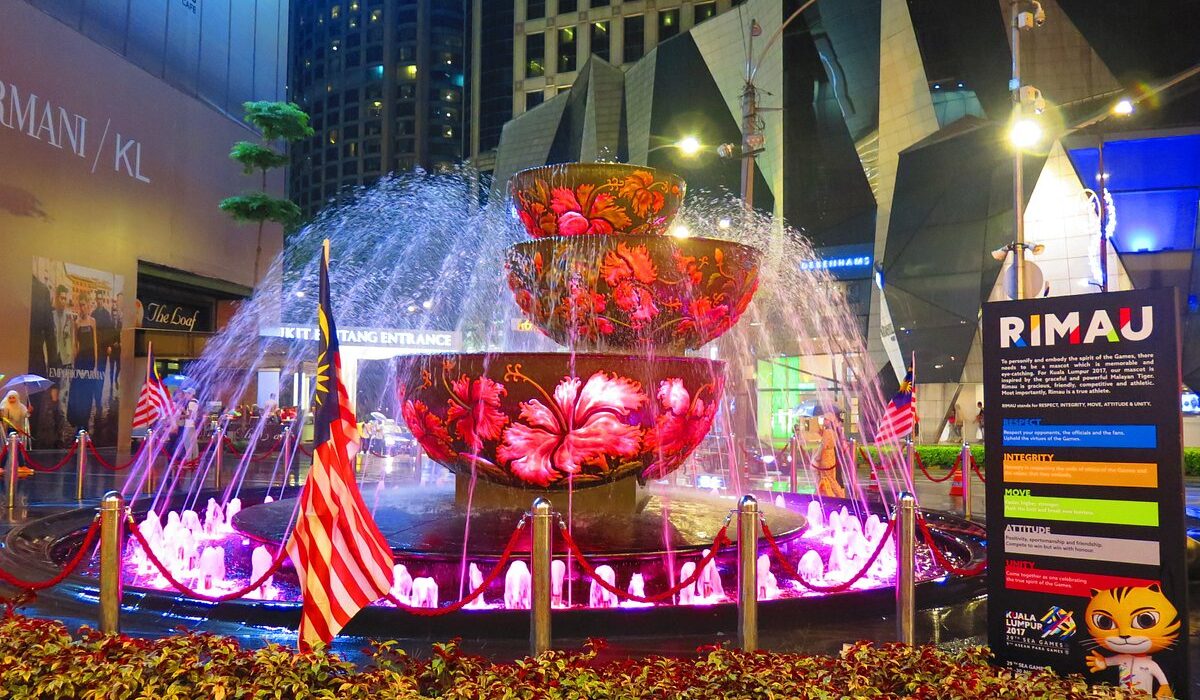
(553, 421)
(632, 293)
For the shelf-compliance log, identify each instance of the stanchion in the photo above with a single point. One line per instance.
(964, 461)
(219, 436)
(112, 517)
(910, 452)
(748, 573)
(794, 455)
(11, 474)
(906, 604)
(852, 470)
(539, 607)
(81, 445)
(149, 443)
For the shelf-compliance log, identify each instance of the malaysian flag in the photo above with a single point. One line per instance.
(342, 560)
(901, 413)
(155, 400)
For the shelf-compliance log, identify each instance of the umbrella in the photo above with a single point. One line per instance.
(27, 384)
(176, 381)
(808, 409)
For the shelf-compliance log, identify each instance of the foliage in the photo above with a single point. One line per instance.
(278, 120)
(254, 157)
(943, 456)
(259, 206)
(39, 659)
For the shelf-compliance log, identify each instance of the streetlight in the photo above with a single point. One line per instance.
(688, 146)
(1026, 15)
(753, 140)
(1025, 133)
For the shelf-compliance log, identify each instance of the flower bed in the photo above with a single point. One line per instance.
(40, 659)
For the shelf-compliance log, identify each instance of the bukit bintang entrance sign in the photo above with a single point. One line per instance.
(406, 340)
(1085, 488)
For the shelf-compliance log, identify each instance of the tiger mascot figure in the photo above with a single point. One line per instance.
(1133, 623)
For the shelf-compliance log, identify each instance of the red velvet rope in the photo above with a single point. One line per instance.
(790, 571)
(254, 585)
(3, 453)
(133, 458)
(921, 463)
(941, 558)
(42, 468)
(483, 586)
(975, 468)
(253, 457)
(304, 451)
(89, 540)
(719, 541)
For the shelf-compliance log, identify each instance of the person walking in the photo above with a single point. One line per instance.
(979, 419)
(825, 462)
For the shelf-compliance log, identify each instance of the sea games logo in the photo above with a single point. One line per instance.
(1050, 329)
(1047, 632)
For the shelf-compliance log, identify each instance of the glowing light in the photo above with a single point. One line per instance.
(724, 224)
(1123, 108)
(689, 145)
(300, 294)
(680, 231)
(1025, 133)
(428, 304)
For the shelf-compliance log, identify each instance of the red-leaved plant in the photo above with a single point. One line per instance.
(40, 659)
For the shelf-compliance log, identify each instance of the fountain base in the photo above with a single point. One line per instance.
(431, 523)
(625, 496)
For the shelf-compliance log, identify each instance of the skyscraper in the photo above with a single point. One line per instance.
(383, 81)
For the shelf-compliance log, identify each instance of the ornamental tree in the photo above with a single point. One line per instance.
(276, 121)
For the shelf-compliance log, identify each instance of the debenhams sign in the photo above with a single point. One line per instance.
(39, 118)
(417, 341)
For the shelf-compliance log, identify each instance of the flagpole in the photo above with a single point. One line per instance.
(916, 414)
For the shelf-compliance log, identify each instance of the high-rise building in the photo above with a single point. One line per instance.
(383, 82)
(527, 51)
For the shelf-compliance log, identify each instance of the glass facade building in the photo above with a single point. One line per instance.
(383, 81)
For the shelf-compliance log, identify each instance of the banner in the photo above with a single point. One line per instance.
(75, 342)
(1085, 488)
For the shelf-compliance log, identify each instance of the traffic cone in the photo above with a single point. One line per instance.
(874, 485)
(956, 486)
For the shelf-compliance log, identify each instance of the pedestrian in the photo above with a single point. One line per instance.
(825, 462)
(50, 428)
(190, 435)
(14, 415)
(979, 419)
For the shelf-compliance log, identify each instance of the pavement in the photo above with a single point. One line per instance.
(965, 623)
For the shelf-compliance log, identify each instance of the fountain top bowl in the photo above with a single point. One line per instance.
(574, 199)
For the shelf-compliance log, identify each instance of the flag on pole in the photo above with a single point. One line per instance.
(342, 560)
(154, 402)
(901, 413)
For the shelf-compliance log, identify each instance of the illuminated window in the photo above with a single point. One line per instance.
(376, 15)
(410, 71)
(600, 39)
(335, 12)
(704, 10)
(333, 136)
(535, 55)
(566, 49)
(668, 24)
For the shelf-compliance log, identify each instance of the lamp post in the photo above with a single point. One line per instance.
(753, 140)
(1026, 15)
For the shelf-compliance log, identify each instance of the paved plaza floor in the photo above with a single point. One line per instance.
(48, 493)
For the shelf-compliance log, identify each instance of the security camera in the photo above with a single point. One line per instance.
(726, 150)
(1039, 14)
(755, 141)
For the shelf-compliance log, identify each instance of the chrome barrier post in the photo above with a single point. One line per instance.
(964, 461)
(539, 607)
(852, 472)
(911, 453)
(81, 445)
(150, 461)
(794, 455)
(748, 573)
(906, 604)
(13, 461)
(219, 436)
(112, 512)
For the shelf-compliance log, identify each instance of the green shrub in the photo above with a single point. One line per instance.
(39, 659)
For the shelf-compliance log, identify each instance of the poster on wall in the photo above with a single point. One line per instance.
(1085, 499)
(75, 342)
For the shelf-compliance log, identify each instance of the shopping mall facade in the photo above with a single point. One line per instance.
(890, 151)
(115, 129)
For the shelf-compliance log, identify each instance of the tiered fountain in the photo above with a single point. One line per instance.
(595, 429)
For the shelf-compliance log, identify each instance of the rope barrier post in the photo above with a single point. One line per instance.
(911, 452)
(964, 460)
(219, 436)
(852, 472)
(149, 445)
(794, 455)
(81, 441)
(747, 601)
(539, 618)
(112, 512)
(13, 463)
(906, 604)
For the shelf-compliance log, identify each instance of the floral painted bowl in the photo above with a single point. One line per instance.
(632, 293)
(576, 199)
(549, 420)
